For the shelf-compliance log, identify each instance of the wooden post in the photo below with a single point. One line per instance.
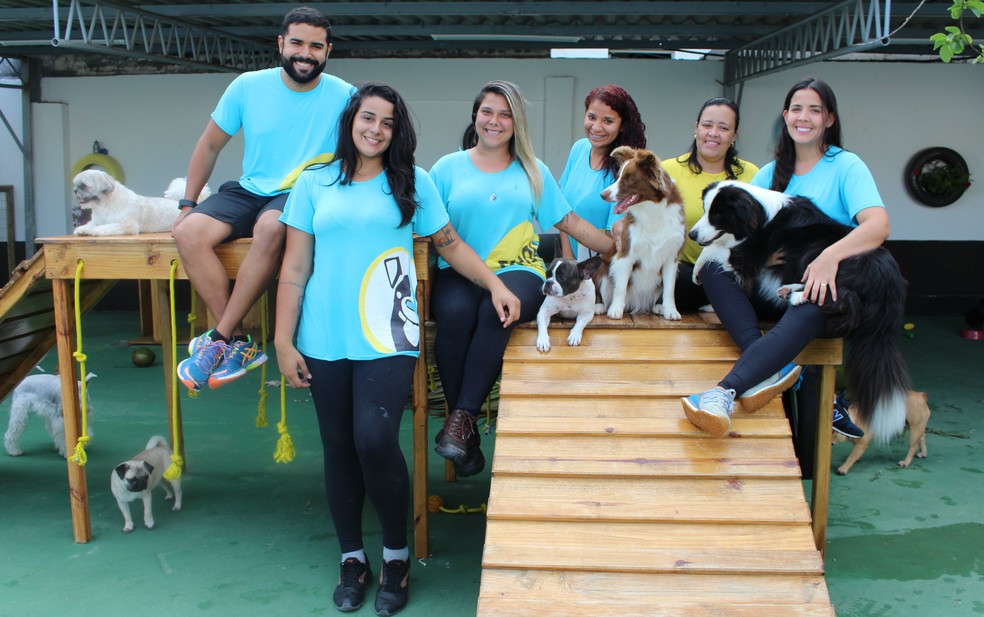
(421, 528)
(821, 462)
(64, 337)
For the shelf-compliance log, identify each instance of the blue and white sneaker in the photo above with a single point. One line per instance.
(197, 342)
(241, 356)
(711, 410)
(194, 371)
(842, 421)
(759, 395)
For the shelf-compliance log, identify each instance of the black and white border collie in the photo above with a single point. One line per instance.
(744, 225)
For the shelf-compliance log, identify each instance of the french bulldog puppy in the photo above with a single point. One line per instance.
(569, 292)
(137, 478)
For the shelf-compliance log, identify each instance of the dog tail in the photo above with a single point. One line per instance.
(875, 369)
(176, 190)
(157, 441)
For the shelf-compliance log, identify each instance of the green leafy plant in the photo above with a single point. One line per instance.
(955, 39)
(944, 179)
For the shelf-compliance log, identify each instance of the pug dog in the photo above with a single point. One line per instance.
(137, 478)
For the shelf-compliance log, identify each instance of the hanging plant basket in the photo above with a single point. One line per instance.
(937, 177)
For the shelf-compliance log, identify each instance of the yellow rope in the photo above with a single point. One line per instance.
(261, 415)
(79, 456)
(177, 462)
(285, 445)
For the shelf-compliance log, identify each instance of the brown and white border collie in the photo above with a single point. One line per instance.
(648, 240)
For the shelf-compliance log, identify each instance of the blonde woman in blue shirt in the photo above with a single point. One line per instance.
(494, 189)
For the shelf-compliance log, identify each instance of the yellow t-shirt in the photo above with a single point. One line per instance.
(691, 187)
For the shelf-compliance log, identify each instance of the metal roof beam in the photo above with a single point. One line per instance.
(851, 26)
(101, 27)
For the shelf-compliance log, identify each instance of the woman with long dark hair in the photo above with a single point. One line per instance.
(810, 162)
(347, 294)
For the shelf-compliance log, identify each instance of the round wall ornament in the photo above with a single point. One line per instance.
(936, 177)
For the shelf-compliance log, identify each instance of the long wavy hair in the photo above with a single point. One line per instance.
(520, 146)
(398, 160)
(786, 147)
(633, 130)
(732, 164)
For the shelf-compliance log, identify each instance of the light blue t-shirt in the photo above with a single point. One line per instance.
(582, 187)
(840, 184)
(283, 131)
(494, 212)
(360, 302)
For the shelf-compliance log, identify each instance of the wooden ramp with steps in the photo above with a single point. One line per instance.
(605, 500)
(27, 319)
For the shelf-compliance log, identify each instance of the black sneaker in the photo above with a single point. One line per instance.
(353, 580)
(394, 587)
(452, 440)
(842, 421)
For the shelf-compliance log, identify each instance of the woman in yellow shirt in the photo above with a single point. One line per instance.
(712, 157)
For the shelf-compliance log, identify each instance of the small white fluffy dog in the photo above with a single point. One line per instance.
(117, 211)
(40, 395)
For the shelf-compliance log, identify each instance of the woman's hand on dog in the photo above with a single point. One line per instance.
(820, 278)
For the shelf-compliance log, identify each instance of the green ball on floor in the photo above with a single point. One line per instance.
(143, 357)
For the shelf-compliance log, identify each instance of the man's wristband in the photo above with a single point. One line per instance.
(187, 203)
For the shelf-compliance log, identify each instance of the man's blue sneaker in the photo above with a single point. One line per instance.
(194, 371)
(711, 410)
(759, 395)
(240, 357)
(842, 421)
(197, 342)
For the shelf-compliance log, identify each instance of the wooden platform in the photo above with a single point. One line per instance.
(606, 500)
(147, 257)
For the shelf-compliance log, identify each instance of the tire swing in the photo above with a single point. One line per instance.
(100, 158)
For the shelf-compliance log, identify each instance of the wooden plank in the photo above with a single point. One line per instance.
(651, 547)
(147, 256)
(575, 379)
(635, 427)
(634, 457)
(648, 499)
(22, 279)
(608, 407)
(600, 605)
(603, 342)
(652, 590)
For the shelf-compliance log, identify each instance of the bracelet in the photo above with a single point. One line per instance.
(187, 203)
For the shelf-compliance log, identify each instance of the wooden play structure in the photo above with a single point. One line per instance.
(604, 498)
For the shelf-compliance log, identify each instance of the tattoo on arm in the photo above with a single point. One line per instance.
(445, 237)
(298, 285)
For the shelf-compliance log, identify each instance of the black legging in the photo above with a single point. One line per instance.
(470, 338)
(762, 355)
(359, 406)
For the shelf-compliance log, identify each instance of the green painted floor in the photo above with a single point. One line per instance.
(254, 537)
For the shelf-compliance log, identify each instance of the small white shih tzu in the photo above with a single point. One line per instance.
(118, 211)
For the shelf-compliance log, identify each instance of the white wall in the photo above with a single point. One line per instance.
(890, 110)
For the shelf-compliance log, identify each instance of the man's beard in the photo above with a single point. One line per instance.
(288, 65)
